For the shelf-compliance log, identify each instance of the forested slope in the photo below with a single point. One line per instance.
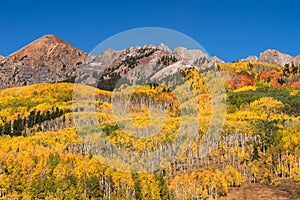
(44, 157)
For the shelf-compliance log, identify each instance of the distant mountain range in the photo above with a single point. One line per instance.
(50, 59)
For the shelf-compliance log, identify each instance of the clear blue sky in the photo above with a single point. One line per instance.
(230, 29)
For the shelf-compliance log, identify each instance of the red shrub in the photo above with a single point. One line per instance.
(275, 83)
(268, 76)
(296, 84)
(241, 80)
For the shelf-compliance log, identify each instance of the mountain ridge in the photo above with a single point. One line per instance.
(251, 58)
(51, 59)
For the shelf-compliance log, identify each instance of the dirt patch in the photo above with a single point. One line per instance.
(259, 192)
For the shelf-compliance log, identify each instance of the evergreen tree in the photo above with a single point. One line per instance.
(48, 115)
(7, 128)
(163, 187)
(137, 186)
(38, 117)
(1, 130)
(94, 188)
(18, 126)
(31, 119)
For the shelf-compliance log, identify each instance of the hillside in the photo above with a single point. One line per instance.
(237, 158)
(185, 126)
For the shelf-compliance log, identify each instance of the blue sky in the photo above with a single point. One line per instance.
(230, 29)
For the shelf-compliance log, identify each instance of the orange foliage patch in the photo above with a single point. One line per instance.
(269, 76)
(242, 80)
(296, 84)
(274, 83)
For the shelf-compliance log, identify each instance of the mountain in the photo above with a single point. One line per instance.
(245, 146)
(47, 59)
(141, 63)
(50, 59)
(274, 57)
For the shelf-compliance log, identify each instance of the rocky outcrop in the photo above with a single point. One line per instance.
(274, 57)
(171, 70)
(216, 60)
(250, 59)
(195, 57)
(165, 48)
(48, 59)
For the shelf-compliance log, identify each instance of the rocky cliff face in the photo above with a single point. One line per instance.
(1, 57)
(195, 57)
(274, 57)
(48, 59)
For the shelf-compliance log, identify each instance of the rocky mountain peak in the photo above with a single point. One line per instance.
(184, 52)
(250, 59)
(273, 56)
(196, 57)
(216, 60)
(1, 58)
(46, 44)
(190, 55)
(47, 59)
(163, 47)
